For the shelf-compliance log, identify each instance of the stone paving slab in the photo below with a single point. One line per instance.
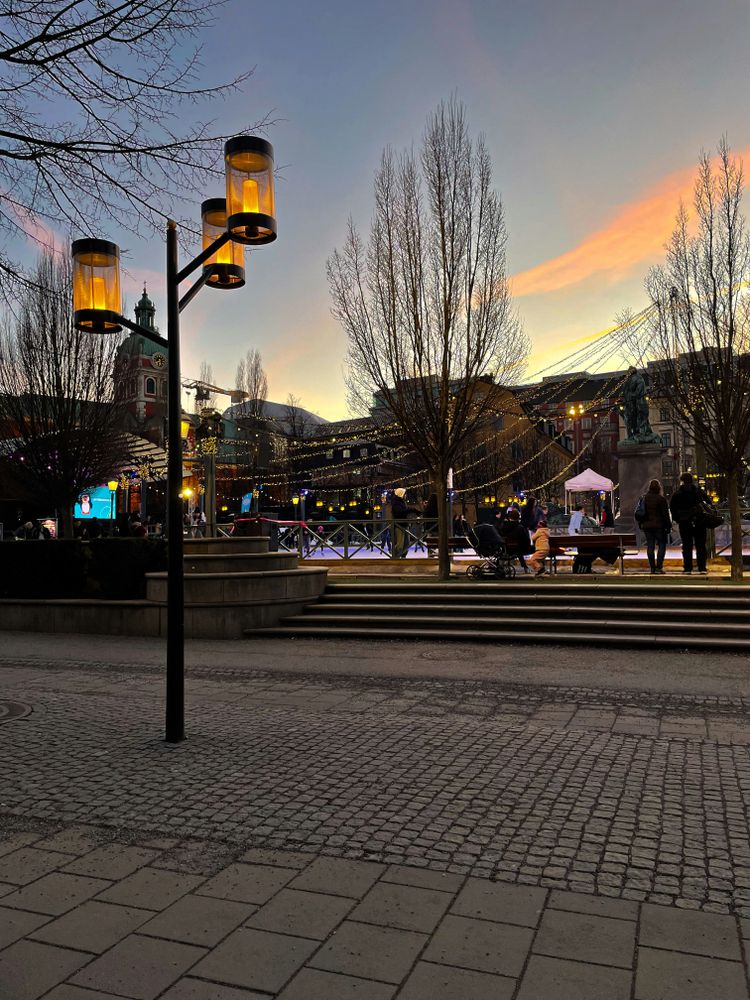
(396, 941)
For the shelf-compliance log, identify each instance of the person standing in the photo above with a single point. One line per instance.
(576, 520)
(685, 508)
(400, 518)
(656, 526)
(530, 515)
(607, 520)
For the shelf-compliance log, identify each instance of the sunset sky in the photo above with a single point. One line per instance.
(595, 112)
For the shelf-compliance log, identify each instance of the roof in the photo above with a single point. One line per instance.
(588, 481)
(578, 387)
(277, 412)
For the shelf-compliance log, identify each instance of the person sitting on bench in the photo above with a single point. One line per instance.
(516, 537)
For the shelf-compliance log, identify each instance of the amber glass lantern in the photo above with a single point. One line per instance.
(250, 201)
(97, 302)
(227, 265)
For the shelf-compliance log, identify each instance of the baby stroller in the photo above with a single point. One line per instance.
(496, 563)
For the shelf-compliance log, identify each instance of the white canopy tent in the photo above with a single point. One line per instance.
(589, 482)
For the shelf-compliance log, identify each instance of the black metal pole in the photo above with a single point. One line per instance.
(175, 701)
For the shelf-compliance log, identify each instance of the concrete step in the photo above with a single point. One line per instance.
(214, 546)
(505, 624)
(238, 562)
(604, 609)
(651, 640)
(302, 585)
(687, 590)
(538, 599)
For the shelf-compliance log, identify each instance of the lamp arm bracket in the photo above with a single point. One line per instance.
(195, 288)
(202, 257)
(143, 331)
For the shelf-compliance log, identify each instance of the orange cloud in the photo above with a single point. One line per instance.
(636, 234)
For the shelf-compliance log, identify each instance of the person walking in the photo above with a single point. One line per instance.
(656, 526)
(685, 508)
(540, 538)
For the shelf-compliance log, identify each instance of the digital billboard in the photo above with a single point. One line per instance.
(96, 502)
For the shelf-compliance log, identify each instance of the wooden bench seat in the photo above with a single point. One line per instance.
(594, 544)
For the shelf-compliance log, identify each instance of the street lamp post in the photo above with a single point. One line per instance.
(247, 217)
(112, 487)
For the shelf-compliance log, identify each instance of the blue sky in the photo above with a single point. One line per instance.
(592, 110)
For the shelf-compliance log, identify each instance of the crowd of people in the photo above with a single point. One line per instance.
(524, 529)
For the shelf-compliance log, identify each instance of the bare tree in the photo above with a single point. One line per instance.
(95, 121)
(207, 375)
(58, 404)
(296, 418)
(251, 380)
(699, 332)
(425, 302)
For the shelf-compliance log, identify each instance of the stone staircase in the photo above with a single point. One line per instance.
(677, 616)
(232, 584)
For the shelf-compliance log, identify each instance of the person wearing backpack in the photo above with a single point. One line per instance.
(656, 525)
(685, 506)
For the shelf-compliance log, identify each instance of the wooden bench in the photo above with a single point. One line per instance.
(586, 545)
(454, 542)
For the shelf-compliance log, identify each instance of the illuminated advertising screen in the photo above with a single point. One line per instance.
(96, 502)
(247, 503)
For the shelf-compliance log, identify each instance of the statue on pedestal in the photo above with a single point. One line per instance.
(635, 411)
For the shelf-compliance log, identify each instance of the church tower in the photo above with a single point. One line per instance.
(141, 372)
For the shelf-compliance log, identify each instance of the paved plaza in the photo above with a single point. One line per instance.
(416, 821)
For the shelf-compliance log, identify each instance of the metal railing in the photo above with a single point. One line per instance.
(349, 539)
(721, 543)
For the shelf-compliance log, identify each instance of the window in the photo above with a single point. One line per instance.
(666, 440)
(665, 416)
(586, 423)
(667, 467)
(346, 453)
(150, 386)
(363, 452)
(329, 453)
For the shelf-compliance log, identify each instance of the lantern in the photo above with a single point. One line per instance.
(227, 265)
(250, 201)
(97, 303)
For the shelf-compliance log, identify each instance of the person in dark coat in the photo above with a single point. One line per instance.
(516, 537)
(400, 516)
(684, 506)
(656, 526)
(531, 515)
(488, 538)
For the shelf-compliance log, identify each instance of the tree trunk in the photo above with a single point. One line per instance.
(67, 520)
(736, 525)
(444, 556)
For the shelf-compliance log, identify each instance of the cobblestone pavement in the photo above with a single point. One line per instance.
(640, 797)
(87, 914)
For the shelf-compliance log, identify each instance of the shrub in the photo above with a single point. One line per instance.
(108, 568)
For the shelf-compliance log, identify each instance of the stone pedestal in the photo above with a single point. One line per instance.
(637, 465)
